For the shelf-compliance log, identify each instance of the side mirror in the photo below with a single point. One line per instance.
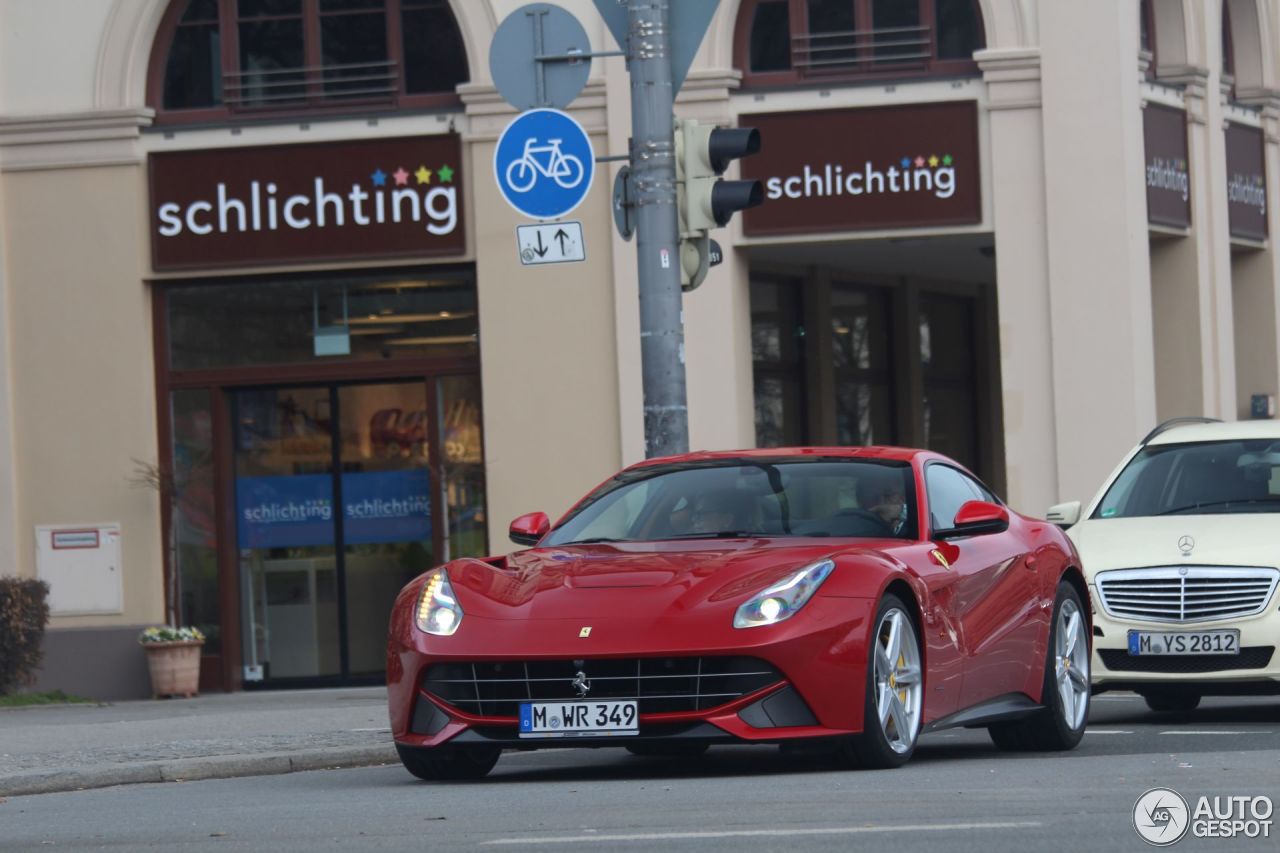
(528, 529)
(976, 518)
(1063, 515)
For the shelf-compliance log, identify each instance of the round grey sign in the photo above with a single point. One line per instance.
(539, 30)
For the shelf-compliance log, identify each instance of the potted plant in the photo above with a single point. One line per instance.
(173, 656)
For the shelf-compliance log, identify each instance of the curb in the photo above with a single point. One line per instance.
(192, 769)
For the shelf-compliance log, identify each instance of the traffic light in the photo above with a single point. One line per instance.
(706, 200)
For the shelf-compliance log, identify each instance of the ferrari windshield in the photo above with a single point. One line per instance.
(1209, 478)
(737, 498)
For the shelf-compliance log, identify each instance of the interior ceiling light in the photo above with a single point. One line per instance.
(411, 318)
(436, 341)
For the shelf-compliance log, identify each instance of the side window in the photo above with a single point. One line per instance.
(948, 491)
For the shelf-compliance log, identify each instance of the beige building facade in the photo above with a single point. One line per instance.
(1017, 231)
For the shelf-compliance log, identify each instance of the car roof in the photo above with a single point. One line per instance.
(891, 454)
(1230, 431)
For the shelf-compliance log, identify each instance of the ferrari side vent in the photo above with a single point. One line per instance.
(660, 685)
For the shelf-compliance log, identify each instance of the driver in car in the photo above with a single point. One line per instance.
(717, 511)
(880, 493)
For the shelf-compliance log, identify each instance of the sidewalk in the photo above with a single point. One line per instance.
(64, 748)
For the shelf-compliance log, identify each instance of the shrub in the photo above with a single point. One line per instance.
(24, 611)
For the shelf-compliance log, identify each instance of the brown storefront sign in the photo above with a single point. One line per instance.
(306, 203)
(1246, 182)
(1164, 132)
(879, 167)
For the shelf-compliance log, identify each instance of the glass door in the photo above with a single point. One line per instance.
(386, 447)
(345, 493)
(286, 532)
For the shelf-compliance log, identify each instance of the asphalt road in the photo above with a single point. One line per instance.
(958, 794)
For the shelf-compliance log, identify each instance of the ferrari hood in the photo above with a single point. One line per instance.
(641, 579)
(1244, 539)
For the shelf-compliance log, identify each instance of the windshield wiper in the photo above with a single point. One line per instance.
(1219, 503)
(592, 540)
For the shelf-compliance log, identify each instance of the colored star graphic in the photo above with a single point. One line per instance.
(445, 173)
(906, 162)
(933, 160)
(401, 176)
(423, 175)
(919, 162)
(946, 160)
(379, 178)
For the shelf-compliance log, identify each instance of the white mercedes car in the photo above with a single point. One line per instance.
(1181, 550)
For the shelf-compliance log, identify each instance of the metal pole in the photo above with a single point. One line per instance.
(653, 165)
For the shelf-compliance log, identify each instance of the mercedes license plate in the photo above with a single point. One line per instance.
(579, 719)
(1184, 643)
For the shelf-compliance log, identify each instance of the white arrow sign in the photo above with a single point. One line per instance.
(554, 243)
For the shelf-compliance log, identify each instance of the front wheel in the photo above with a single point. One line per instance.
(894, 691)
(1059, 725)
(448, 763)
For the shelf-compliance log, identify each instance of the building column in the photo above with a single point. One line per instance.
(1191, 276)
(8, 486)
(1098, 253)
(1022, 276)
(1255, 277)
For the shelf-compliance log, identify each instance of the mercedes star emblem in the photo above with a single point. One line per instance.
(1186, 545)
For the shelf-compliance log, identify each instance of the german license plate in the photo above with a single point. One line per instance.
(1184, 643)
(579, 719)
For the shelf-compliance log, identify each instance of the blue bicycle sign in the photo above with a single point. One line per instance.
(544, 164)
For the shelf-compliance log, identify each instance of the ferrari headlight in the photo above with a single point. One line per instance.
(438, 609)
(784, 598)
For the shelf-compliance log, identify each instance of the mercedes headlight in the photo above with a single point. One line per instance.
(784, 598)
(438, 609)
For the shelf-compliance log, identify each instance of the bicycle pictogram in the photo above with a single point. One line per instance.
(546, 161)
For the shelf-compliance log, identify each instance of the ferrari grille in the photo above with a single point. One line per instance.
(660, 685)
(1250, 657)
(1186, 593)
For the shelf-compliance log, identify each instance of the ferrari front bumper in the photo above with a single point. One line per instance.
(818, 659)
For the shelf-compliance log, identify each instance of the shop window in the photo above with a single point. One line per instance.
(948, 353)
(796, 41)
(191, 513)
(777, 354)
(360, 317)
(861, 362)
(221, 59)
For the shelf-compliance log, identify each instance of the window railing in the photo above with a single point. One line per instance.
(862, 50)
(276, 88)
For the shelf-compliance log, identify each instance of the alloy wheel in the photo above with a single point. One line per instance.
(1071, 665)
(898, 683)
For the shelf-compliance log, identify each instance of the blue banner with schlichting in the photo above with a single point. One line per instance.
(297, 511)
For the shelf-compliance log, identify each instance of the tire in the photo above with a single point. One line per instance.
(893, 696)
(669, 749)
(1172, 702)
(1060, 724)
(449, 763)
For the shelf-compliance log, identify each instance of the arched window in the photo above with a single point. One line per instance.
(793, 41)
(218, 59)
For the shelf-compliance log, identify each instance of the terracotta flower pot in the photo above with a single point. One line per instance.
(175, 667)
